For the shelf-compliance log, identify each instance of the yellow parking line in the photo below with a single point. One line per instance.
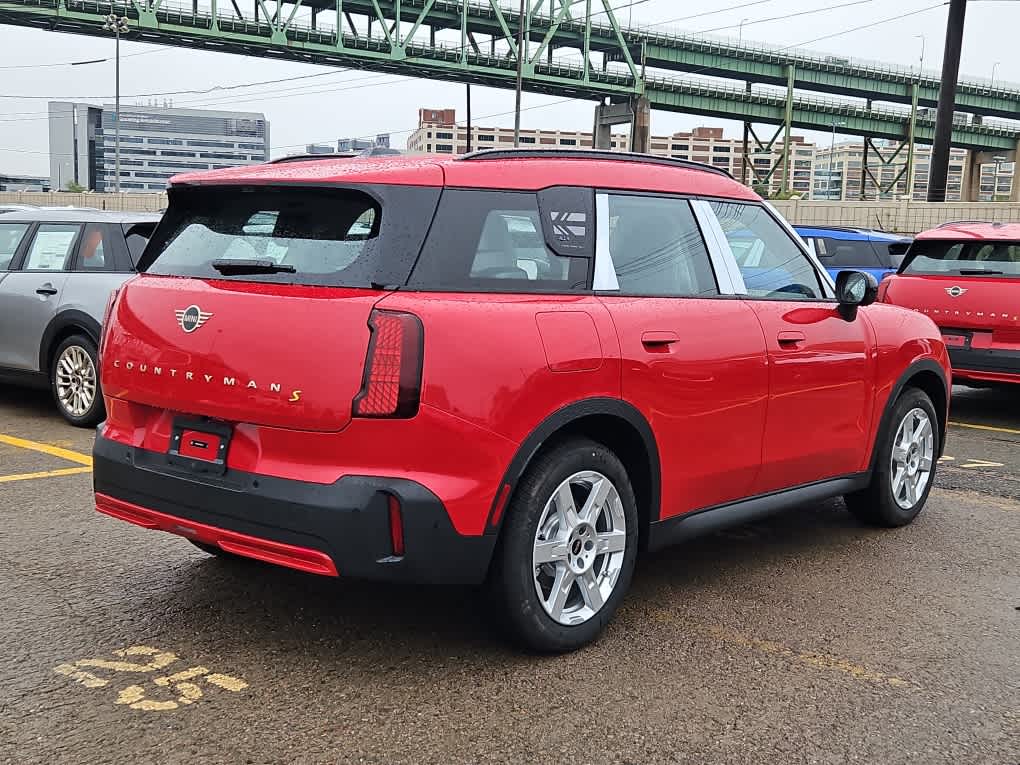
(985, 427)
(54, 451)
(44, 474)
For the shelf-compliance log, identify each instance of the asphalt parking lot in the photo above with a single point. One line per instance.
(806, 638)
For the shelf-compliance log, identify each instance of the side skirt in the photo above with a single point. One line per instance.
(24, 378)
(690, 525)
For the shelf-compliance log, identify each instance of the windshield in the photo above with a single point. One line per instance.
(963, 258)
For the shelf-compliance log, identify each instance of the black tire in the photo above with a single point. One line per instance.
(511, 583)
(876, 505)
(96, 411)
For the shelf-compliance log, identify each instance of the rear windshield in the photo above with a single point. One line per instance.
(963, 258)
(334, 237)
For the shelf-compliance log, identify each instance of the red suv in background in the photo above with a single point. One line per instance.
(966, 277)
(518, 368)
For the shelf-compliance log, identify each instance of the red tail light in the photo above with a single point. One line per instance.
(396, 527)
(883, 287)
(110, 301)
(392, 382)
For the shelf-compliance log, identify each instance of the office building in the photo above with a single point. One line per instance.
(839, 172)
(438, 132)
(350, 145)
(10, 182)
(156, 143)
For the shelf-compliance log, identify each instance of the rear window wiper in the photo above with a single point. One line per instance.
(231, 267)
(979, 272)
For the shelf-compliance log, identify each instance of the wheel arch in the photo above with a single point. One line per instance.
(614, 423)
(61, 327)
(926, 375)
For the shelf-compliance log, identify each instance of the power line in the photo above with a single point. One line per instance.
(784, 17)
(90, 61)
(569, 100)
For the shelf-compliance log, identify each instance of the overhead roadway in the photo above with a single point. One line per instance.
(306, 31)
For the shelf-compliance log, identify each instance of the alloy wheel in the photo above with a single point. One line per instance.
(579, 547)
(912, 459)
(76, 381)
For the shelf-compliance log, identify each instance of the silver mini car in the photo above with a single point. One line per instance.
(57, 270)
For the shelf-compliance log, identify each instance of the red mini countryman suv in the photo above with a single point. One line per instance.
(966, 277)
(517, 368)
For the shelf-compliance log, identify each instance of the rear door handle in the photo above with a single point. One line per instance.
(46, 289)
(790, 339)
(659, 339)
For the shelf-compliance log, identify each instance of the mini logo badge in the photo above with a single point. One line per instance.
(955, 291)
(192, 317)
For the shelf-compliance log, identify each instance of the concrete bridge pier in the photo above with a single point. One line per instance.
(636, 112)
(972, 175)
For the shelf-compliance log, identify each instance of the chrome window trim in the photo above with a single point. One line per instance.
(727, 272)
(604, 278)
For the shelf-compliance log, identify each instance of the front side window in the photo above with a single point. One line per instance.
(495, 241)
(51, 247)
(771, 263)
(935, 256)
(657, 248)
(11, 235)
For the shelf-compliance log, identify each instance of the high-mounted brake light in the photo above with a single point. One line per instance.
(392, 381)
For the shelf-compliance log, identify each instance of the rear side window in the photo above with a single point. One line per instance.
(95, 252)
(11, 235)
(770, 262)
(495, 241)
(933, 256)
(846, 253)
(332, 237)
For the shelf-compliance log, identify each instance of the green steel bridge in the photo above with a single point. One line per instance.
(572, 48)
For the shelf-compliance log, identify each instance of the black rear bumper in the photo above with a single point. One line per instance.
(348, 520)
(977, 360)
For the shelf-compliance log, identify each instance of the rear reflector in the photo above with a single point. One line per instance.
(396, 527)
(392, 381)
(301, 558)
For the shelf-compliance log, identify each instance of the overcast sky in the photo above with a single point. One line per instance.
(347, 104)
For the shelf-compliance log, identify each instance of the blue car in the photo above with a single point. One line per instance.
(856, 249)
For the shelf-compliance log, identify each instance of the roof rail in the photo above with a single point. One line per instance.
(309, 158)
(958, 222)
(621, 156)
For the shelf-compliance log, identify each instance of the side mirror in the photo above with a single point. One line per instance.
(854, 289)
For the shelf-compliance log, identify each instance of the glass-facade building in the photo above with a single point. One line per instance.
(156, 143)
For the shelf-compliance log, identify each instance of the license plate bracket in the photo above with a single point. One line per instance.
(199, 446)
(956, 338)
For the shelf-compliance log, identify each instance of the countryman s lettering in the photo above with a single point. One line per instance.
(516, 368)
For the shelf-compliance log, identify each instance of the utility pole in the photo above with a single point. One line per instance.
(520, 74)
(469, 118)
(947, 102)
(118, 25)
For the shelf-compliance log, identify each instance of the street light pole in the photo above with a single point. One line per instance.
(832, 156)
(117, 25)
(994, 67)
(520, 75)
(740, 31)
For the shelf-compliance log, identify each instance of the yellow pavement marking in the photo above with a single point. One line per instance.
(53, 451)
(976, 463)
(994, 428)
(183, 685)
(44, 474)
(810, 658)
